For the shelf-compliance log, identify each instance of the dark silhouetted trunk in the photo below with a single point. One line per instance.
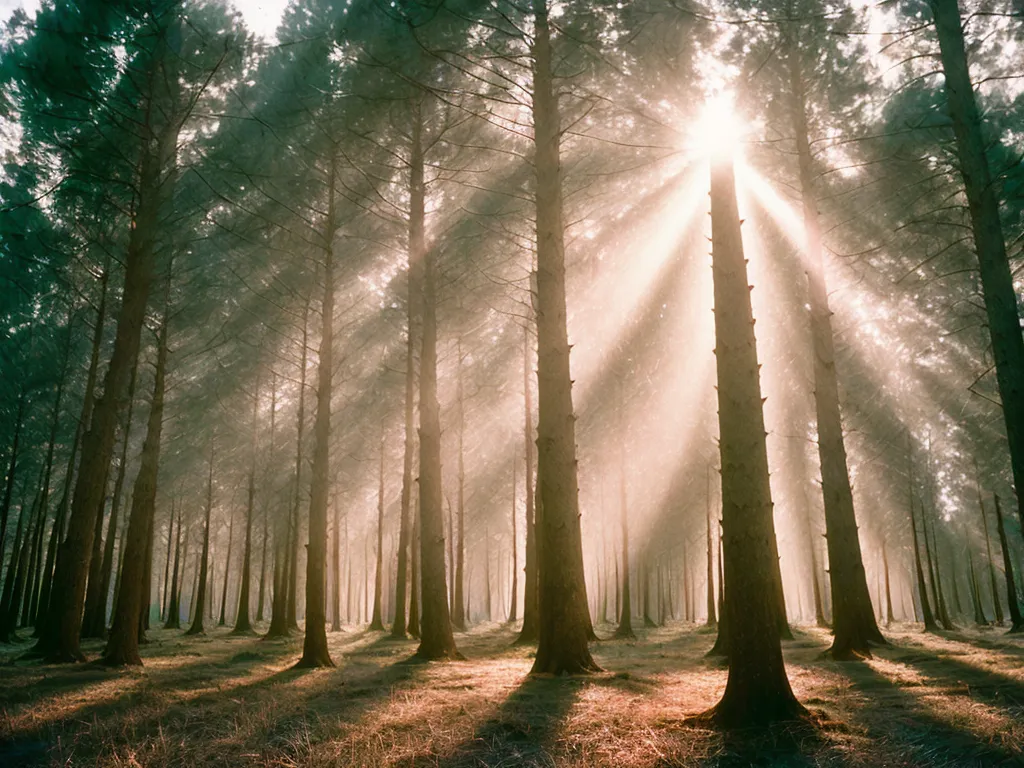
(712, 619)
(853, 616)
(377, 621)
(983, 206)
(436, 639)
(60, 641)
(243, 625)
(227, 572)
(200, 604)
(123, 644)
(1016, 622)
(888, 586)
(996, 602)
(514, 596)
(314, 646)
(758, 689)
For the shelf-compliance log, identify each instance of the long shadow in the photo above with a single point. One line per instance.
(928, 739)
(346, 691)
(950, 672)
(524, 729)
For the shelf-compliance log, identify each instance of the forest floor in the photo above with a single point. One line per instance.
(955, 699)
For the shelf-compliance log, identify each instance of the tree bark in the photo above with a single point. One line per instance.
(758, 689)
(1016, 622)
(377, 621)
(243, 625)
(983, 205)
(200, 604)
(293, 555)
(123, 645)
(314, 646)
(563, 614)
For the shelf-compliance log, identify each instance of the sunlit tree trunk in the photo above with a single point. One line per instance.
(314, 647)
(983, 205)
(758, 689)
(625, 628)
(414, 574)
(459, 599)
(922, 589)
(123, 644)
(514, 596)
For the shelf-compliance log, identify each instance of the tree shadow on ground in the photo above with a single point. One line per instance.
(960, 677)
(917, 737)
(523, 731)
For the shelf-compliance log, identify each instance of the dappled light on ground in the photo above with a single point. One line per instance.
(926, 701)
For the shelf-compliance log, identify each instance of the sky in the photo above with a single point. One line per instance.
(261, 16)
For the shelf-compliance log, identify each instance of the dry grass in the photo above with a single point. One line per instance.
(951, 700)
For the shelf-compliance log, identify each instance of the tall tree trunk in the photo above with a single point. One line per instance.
(888, 586)
(417, 215)
(12, 468)
(336, 570)
(926, 610)
(436, 639)
(979, 612)
(227, 572)
(200, 604)
(528, 633)
(852, 614)
(414, 575)
(758, 689)
(1016, 622)
(564, 617)
(293, 555)
(314, 646)
(242, 624)
(712, 619)
(123, 644)
(60, 641)
(173, 620)
(996, 602)
(459, 601)
(7, 623)
(377, 622)
(94, 623)
(514, 596)
(983, 206)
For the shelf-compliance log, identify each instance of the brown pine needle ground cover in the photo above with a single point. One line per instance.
(950, 700)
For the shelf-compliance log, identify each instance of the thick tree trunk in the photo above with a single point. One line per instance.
(983, 206)
(200, 604)
(314, 646)
(758, 689)
(564, 618)
(1016, 622)
(123, 644)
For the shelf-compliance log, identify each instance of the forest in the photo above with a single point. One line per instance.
(512, 383)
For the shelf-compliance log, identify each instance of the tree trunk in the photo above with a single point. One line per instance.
(95, 622)
(60, 642)
(528, 633)
(712, 619)
(459, 601)
(888, 586)
(377, 622)
(293, 561)
(564, 618)
(758, 689)
(314, 646)
(514, 596)
(1016, 622)
(242, 624)
(436, 639)
(123, 644)
(996, 602)
(414, 575)
(983, 206)
(852, 614)
(173, 620)
(12, 467)
(227, 572)
(200, 605)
